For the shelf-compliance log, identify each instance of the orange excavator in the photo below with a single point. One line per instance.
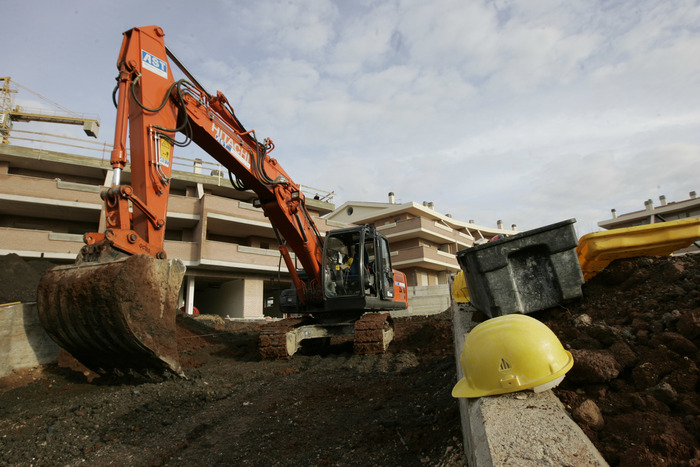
(115, 308)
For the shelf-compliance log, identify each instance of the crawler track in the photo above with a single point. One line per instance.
(373, 333)
(273, 337)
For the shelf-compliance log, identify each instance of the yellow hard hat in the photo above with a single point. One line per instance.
(510, 353)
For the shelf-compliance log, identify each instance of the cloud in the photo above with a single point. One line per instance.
(529, 112)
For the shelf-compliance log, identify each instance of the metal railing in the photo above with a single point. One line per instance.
(102, 150)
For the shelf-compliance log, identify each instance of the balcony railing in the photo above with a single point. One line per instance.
(425, 257)
(103, 150)
(420, 227)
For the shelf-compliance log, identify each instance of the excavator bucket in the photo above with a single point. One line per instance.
(115, 315)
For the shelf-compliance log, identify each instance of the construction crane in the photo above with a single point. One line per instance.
(10, 113)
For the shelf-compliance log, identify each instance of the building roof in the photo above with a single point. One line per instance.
(365, 212)
(673, 210)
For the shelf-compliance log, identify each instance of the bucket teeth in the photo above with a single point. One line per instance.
(117, 315)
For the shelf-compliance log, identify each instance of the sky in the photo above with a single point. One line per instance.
(530, 112)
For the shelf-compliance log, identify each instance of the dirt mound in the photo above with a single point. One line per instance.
(635, 337)
(328, 408)
(19, 278)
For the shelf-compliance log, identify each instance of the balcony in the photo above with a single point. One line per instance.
(427, 229)
(49, 199)
(230, 256)
(40, 243)
(425, 258)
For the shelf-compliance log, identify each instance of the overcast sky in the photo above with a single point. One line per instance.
(530, 111)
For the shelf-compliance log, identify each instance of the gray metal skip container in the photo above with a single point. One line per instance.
(524, 273)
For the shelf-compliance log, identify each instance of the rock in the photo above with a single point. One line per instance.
(639, 324)
(673, 271)
(589, 414)
(606, 335)
(593, 366)
(685, 377)
(624, 355)
(686, 404)
(671, 317)
(674, 292)
(675, 342)
(583, 320)
(642, 336)
(664, 392)
(689, 324)
(645, 375)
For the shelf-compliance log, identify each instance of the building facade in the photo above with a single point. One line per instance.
(423, 241)
(666, 211)
(48, 200)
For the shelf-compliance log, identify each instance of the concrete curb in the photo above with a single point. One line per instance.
(523, 428)
(23, 341)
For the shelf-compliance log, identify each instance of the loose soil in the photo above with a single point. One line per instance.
(634, 387)
(322, 407)
(633, 390)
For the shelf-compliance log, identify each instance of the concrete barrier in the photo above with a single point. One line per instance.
(425, 300)
(23, 341)
(522, 428)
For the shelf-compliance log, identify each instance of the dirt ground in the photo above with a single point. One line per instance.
(634, 387)
(634, 390)
(319, 408)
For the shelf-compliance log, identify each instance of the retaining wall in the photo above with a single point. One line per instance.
(23, 341)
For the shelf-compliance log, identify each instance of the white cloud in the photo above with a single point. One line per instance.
(529, 112)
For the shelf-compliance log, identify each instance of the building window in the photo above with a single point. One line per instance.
(349, 211)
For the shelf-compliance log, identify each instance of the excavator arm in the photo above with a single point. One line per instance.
(115, 308)
(157, 108)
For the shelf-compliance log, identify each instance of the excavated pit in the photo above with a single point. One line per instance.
(633, 389)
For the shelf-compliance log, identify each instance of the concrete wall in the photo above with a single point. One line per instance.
(426, 300)
(237, 298)
(23, 341)
(522, 428)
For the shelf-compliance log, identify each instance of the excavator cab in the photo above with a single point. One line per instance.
(357, 277)
(357, 272)
(359, 288)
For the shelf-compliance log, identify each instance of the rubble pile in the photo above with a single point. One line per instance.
(635, 337)
(19, 278)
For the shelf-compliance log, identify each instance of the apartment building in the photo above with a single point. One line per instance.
(49, 199)
(666, 211)
(423, 241)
